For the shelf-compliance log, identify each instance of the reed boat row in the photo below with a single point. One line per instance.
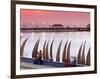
(81, 58)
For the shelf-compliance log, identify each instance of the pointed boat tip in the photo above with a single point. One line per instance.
(89, 48)
(39, 39)
(70, 41)
(27, 38)
(21, 37)
(61, 41)
(53, 40)
(66, 41)
(82, 43)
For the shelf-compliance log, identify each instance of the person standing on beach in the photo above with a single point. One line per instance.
(40, 57)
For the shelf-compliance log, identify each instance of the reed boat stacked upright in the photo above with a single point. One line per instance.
(81, 58)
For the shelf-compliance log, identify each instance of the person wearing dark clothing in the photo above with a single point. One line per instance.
(74, 61)
(38, 59)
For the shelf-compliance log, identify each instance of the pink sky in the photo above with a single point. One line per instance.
(51, 17)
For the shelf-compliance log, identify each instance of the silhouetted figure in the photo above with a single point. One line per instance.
(74, 61)
(38, 59)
